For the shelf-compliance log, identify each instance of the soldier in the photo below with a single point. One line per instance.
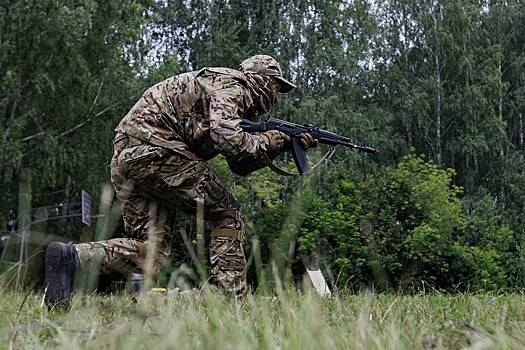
(159, 166)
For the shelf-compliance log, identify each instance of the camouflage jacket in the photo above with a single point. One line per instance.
(197, 114)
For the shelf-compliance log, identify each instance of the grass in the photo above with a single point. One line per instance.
(294, 320)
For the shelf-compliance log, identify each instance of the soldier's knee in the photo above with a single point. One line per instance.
(227, 241)
(229, 224)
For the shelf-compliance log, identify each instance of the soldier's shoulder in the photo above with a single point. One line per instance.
(224, 73)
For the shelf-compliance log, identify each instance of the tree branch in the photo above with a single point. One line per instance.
(88, 119)
(27, 138)
(87, 115)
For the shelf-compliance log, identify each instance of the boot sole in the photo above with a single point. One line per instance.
(57, 292)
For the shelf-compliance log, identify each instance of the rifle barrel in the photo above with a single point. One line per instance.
(292, 129)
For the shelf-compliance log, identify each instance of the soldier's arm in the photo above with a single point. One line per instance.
(226, 106)
(245, 152)
(248, 164)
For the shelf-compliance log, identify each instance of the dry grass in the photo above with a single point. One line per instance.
(292, 320)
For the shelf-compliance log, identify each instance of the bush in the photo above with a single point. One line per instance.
(412, 212)
(401, 227)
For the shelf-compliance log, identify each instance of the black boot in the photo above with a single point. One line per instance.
(61, 265)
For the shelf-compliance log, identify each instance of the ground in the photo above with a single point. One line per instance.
(291, 320)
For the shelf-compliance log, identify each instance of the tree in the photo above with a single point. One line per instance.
(69, 72)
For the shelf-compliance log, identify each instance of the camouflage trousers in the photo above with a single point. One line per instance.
(152, 183)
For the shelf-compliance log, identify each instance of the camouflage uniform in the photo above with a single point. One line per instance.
(159, 166)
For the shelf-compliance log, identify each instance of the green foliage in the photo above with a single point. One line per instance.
(331, 229)
(485, 267)
(488, 247)
(443, 79)
(67, 77)
(394, 228)
(412, 213)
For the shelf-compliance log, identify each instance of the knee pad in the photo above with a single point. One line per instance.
(230, 224)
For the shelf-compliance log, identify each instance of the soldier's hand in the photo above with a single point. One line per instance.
(307, 141)
(276, 141)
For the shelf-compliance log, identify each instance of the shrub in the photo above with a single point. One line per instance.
(411, 213)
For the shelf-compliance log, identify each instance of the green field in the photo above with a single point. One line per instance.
(289, 321)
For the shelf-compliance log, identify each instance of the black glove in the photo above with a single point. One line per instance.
(307, 141)
(276, 142)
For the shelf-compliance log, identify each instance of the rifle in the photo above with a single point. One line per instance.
(294, 131)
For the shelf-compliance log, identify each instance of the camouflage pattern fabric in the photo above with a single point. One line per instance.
(266, 95)
(227, 265)
(159, 167)
(266, 65)
(196, 113)
(119, 254)
(152, 183)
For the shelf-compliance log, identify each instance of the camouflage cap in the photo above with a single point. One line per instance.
(267, 65)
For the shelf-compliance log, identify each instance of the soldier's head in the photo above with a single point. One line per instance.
(265, 76)
(268, 66)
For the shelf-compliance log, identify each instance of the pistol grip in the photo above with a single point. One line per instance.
(299, 155)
